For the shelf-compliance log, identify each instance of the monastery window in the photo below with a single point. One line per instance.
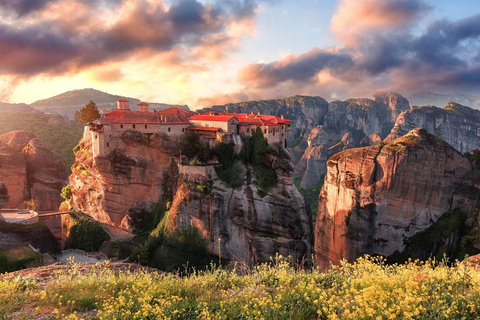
(121, 126)
(168, 129)
(96, 137)
(146, 127)
(282, 127)
(265, 131)
(282, 134)
(133, 126)
(108, 144)
(248, 130)
(183, 129)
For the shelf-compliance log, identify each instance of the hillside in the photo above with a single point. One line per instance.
(68, 102)
(368, 289)
(59, 137)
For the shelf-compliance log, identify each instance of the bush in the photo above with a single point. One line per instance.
(85, 234)
(3, 262)
(185, 246)
(232, 177)
(66, 192)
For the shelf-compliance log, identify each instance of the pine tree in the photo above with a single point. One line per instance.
(87, 113)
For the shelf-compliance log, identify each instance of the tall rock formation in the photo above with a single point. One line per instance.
(348, 124)
(375, 197)
(242, 223)
(456, 124)
(106, 187)
(30, 171)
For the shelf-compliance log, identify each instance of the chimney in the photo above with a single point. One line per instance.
(281, 117)
(143, 107)
(123, 104)
(252, 112)
(259, 113)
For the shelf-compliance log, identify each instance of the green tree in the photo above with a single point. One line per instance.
(87, 113)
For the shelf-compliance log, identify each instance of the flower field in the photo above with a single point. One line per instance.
(366, 289)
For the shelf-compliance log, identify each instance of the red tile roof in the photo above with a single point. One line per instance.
(143, 104)
(175, 110)
(122, 100)
(244, 118)
(208, 117)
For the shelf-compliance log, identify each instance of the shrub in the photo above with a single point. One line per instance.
(85, 234)
(66, 192)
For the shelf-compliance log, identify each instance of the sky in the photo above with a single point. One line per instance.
(209, 52)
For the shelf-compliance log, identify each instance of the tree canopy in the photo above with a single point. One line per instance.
(87, 113)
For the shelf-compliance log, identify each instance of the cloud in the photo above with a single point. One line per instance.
(354, 18)
(61, 36)
(383, 48)
(302, 68)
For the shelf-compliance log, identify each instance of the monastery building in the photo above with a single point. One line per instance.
(105, 133)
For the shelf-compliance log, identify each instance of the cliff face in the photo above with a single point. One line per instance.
(243, 224)
(375, 197)
(348, 124)
(30, 171)
(107, 186)
(456, 124)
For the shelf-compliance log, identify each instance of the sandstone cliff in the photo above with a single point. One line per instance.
(30, 171)
(348, 124)
(456, 124)
(375, 197)
(106, 187)
(245, 224)
(242, 223)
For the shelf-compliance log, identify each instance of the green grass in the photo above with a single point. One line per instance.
(366, 289)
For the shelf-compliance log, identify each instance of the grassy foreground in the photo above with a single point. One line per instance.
(367, 289)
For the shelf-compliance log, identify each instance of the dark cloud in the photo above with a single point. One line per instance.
(301, 68)
(445, 56)
(35, 44)
(23, 7)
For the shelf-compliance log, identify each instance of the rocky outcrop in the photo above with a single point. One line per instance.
(456, 124)
(106, 187)
(30, 171)
(348, 124)
(46, 175)
(13, 174)
(244, 224)
(375, 197)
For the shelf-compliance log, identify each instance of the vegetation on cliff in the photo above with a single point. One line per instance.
(84, 234)
(366, 289)
(59, 138)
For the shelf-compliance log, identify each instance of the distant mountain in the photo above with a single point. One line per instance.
(4, 106)
(68, 102)
(435, 99)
